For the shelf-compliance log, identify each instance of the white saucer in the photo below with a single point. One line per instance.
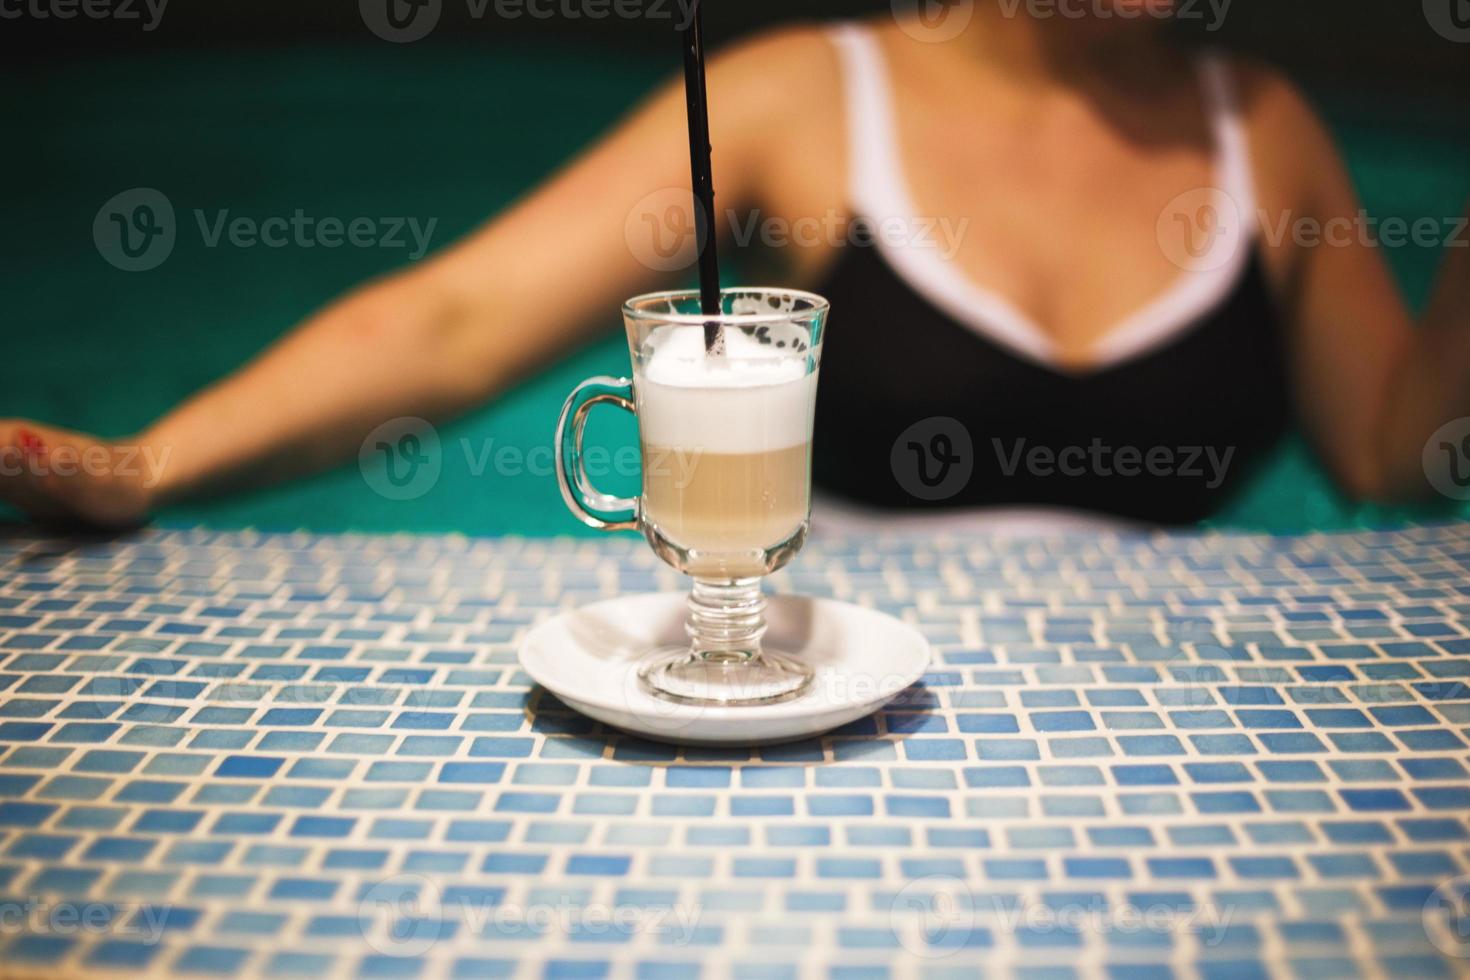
(588, 657)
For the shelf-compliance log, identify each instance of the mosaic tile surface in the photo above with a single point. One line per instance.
(1191, 756)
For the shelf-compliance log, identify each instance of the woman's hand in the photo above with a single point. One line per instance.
(68, 477)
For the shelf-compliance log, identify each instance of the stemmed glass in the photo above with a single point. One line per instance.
(726, 438)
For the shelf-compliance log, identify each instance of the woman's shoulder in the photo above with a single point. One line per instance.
(776, 75)
(1278, 112)
(1266, 93)
(1291, 145)
(777, 114)
(793, 52)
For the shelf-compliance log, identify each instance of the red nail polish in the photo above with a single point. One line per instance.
(29, 443)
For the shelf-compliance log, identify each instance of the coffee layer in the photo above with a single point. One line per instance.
(719, 504)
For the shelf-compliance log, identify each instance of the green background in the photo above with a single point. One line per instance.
(451, 130)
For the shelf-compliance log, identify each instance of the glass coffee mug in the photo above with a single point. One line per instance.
(726, 437)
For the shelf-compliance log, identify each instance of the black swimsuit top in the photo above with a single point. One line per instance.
(934, 393)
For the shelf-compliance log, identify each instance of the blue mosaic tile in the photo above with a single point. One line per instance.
(285, 754)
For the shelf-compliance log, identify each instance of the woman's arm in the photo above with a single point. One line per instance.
(1433, 380)
(439, 338)
(1371, 385)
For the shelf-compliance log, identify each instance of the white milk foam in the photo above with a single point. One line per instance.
(754, 399)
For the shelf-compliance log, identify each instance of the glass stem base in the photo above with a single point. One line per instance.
(725, 662)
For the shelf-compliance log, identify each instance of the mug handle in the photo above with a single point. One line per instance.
(585, 501)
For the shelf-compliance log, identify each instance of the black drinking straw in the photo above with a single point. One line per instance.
(702, 179)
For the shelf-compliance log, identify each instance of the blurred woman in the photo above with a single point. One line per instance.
(1058, 238)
